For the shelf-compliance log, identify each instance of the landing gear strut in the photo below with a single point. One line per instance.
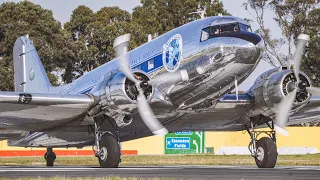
(263, 150)
(50, 156)
(107, 148)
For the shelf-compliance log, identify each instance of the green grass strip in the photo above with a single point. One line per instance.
(160, 160)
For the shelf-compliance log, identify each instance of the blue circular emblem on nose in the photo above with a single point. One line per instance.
(172, 53)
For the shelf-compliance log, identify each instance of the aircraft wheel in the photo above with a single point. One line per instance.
(50, 157)
(110, 152)
(266, 153)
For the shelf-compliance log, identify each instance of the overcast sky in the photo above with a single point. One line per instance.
(62, 10)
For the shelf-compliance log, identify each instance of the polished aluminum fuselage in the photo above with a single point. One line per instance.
(194, 102)
(239, 59)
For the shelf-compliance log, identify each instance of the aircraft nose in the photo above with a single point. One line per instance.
(248, 55)
(253, 38)
(252, 53)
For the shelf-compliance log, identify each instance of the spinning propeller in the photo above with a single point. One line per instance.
(287, 102)
(121, 48)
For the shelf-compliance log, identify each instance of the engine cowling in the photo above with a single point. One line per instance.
(117, 96)
(123, 93)
(272, 86)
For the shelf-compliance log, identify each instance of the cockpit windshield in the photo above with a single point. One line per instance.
(212, 31)
(244, 27)
(229, 28)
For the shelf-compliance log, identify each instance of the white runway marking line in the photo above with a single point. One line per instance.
(316, 168)
(77, 169)
(96, 169)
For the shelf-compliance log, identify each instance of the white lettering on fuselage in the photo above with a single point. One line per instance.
(144, 57)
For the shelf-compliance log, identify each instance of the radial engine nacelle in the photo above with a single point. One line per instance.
(273, 85)
(117, 96)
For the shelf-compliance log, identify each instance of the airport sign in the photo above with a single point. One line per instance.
(184, 143)
(177, 143)
(184, 133)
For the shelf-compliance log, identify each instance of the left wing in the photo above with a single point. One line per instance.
(39, 111)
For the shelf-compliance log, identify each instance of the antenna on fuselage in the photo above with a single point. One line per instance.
(149, 37)
(201, 13)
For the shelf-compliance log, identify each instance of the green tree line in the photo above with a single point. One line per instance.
(85, 42)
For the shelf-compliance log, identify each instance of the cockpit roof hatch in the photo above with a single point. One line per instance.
(228, 20)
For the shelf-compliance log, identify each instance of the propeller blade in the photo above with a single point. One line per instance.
(314, 91)
(281, 130)
(170, 78)
(287, 102)
(148, 116)
(284, 109)
(236, 85)
(302, 41)
(120, 46)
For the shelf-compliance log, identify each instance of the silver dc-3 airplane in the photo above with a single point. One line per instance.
(179, 81)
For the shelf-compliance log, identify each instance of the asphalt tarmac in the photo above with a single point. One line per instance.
(176, 172)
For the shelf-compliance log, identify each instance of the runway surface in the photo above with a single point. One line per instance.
(177, 172)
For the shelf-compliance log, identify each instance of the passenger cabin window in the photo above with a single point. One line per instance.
(150, 64)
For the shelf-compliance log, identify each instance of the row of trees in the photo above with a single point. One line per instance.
(85, 42)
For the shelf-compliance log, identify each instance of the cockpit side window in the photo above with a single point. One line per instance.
(245, 28)
(214, 31)
(205, 34)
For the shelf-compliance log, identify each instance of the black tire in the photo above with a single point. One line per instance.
(270, 154)
(113, 152)
(50, 158)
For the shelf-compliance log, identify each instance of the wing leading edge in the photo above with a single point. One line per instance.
(39, 111)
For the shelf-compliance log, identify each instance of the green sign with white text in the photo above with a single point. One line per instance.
(184, 143)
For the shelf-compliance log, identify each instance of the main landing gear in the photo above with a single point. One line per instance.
(50, 156)
(263, 150)
(106, 148)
